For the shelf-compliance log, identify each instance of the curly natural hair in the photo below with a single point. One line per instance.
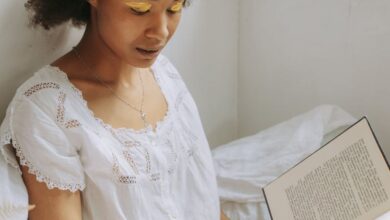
(51, 13)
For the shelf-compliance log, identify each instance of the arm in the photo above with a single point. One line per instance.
(50, 204)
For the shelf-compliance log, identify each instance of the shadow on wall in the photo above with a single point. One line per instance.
(24, 49)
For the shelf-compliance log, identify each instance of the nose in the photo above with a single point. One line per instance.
(159, 28)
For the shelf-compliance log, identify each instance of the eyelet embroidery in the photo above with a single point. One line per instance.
(72, 124)
(41, 177)
(171, 70)
(130, 160)
(126, 153)
(133, 179)
(60, 108)
(128, 179)
(164, 61)
(190, 139)
(61, 115)
(147, 158)
(180, 98)
(190, 152)
(130, 144)
(173, 75)
(174, 156)
(155, 177)
(122, 178)
(40, 86)
(148, 163)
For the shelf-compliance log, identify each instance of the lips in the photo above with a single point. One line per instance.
(148, 51)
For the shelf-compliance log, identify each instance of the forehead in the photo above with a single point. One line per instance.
(153, 0)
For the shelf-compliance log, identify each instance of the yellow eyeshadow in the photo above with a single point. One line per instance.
(177, 6)
(139, 6)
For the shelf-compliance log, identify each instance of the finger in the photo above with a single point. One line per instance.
(31, 207)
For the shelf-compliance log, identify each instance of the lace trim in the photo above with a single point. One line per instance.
(5, 140)
(159, 125)
(179, 138)
(40, 177)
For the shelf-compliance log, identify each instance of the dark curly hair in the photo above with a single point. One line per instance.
(51, 13)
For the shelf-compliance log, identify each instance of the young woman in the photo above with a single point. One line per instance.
(110, 130)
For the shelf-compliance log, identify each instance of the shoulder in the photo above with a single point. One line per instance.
(35, 125)
(43, 98)
(164, 63)
(43, 88)
(184, 102)
(47, 77)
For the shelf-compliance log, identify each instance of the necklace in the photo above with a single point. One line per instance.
(140, 110)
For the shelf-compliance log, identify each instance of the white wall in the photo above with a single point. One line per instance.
(204, 50)
(24, 50)
(297, 54)
(252, 68)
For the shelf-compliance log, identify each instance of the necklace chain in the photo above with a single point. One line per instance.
(140, 110)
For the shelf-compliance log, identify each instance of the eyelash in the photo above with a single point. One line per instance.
(142, 13)
(137, 12)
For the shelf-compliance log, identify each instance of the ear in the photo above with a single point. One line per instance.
(93, 3)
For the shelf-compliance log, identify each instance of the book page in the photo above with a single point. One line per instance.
(347, 179)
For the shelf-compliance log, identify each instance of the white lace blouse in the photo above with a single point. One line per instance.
(121, 173)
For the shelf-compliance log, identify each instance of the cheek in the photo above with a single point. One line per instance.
(120, 36)
(173, 25)
(117, 29)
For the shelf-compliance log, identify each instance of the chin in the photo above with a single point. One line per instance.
(143, 63)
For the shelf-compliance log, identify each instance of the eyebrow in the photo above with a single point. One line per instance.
(159, 0)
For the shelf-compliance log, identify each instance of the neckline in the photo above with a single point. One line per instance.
(160, 125)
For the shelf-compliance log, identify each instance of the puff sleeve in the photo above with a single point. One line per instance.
(42, 144)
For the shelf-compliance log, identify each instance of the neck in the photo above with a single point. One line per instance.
(99, 59)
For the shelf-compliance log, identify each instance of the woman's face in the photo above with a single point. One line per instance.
(127, 27)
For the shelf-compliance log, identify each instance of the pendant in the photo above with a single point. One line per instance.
(143, 116)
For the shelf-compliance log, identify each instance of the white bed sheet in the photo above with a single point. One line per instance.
(246, 165)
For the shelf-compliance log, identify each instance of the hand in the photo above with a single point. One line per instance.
(223, 216)
(31, 207)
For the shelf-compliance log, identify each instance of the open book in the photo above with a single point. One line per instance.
(346, 179)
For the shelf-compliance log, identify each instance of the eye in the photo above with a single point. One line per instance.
(177, 7)
(138, 12)
(139, 7)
